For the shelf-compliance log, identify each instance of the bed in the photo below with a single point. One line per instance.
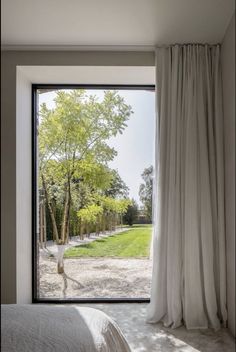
(41, 328)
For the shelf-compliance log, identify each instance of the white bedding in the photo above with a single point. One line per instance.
(41, 328)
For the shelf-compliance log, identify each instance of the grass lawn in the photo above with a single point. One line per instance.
(134, 243)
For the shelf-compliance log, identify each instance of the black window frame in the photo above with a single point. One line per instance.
(35, 88)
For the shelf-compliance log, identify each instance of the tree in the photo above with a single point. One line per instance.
(122, 206)
(73, 147)
(90, 215)
(131, 214)
(113, 210)
(117, 188)
(85, 193)
(145, 191)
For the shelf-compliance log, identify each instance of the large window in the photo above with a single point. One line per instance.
(93, 152)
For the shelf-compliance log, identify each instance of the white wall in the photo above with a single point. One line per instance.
(23, 189)
(228, 75)
(19, 70)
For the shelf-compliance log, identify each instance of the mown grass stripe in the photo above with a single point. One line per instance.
(134, 243)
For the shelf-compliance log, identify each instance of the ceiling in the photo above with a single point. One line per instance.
(113, 22)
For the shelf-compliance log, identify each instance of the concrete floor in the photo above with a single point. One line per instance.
(144, 337)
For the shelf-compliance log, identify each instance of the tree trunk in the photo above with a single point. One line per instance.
(88, 229)
(53, 232)
(101, 224)
(51, 212)
(97, 227)
(44, 225)
(121, 221)
(60, 260)
(114, 222)
(104, 224)
(64, 231)
(110, 223)
(68, 231)
(98, 222)
(40, 226)
(66, 215)
(82, 231)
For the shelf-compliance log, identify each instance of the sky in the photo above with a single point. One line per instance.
(135, 147)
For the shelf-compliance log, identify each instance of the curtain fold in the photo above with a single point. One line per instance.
(189, 267)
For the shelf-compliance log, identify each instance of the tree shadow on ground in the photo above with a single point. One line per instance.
(65, 281)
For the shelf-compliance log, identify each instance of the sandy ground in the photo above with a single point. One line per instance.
(95, 277)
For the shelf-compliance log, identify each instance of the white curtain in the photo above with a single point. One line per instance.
(189, 269)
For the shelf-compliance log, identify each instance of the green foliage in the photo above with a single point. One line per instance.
(107, 205)
(90, 213)
(79, 126)
(131, 214)
(122, 206)
(117, 187)
(134, 243)
(74, 154)
(145, 191)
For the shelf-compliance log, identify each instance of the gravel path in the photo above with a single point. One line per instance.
(95, 277)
